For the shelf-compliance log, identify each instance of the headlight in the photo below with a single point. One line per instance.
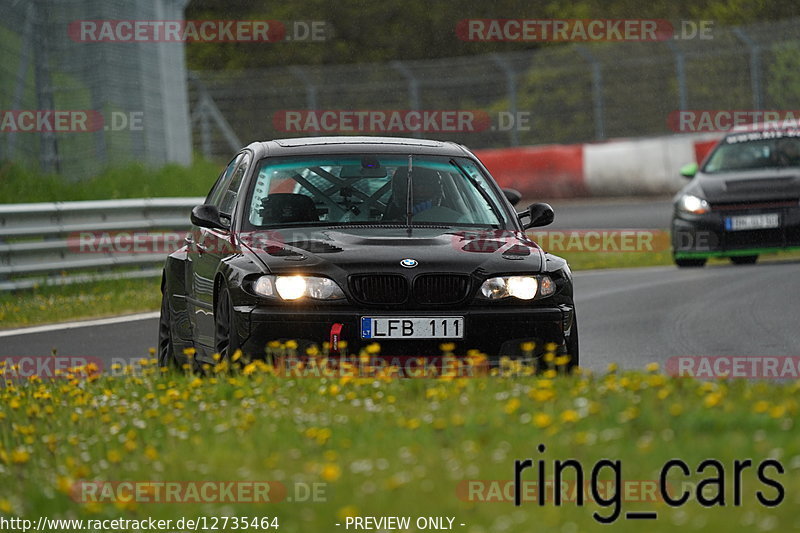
(693, 204)
(296, 287)
(522, 287)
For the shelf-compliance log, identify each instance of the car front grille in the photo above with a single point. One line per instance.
(379, 288)
(391, 289)
(755, 204)
(441, 288)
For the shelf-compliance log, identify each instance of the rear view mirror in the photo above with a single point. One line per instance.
(688, 171)
(356, 171)
(207, 216)
(540, 214)
(512, 195)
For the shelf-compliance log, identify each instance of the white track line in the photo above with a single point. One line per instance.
(80, 324)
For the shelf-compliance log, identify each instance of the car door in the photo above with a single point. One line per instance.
(210, 246)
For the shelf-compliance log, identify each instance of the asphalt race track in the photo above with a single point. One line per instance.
(628, 316)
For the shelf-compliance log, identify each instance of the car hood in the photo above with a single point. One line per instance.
(768, 184)
(352, 250)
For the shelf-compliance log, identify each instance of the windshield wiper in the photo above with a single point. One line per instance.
(477, 185)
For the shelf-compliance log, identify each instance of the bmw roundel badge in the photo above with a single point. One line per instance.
(409, 263)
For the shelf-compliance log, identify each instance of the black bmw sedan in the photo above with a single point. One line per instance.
(744, 201)
(409, 243)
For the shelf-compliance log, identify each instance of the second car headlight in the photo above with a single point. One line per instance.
(693, 204)
(296, 287)
(522, 287)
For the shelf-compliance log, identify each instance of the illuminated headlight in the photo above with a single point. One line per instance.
(693, 204)
(296, 287)
(522, 287)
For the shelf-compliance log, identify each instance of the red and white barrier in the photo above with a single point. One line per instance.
(623, 167)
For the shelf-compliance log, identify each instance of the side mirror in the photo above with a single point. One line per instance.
(512, 195)
(688, 171)
(207, 216)
(540, 214)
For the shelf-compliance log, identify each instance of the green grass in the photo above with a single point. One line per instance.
(85, 300)
(393, 447)
(19, 185)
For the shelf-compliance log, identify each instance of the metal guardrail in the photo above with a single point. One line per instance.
(38, 241)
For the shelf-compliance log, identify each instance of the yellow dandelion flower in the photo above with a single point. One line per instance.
(652, 367)
(541, 395)
(761, 406)
(511, 406)
(612, 367)
(779, 411)
(151, 453)
(527, 346)
(712, 400)
(347, 512)
(542, 420)
(292, 345)
(330, 472)
(563, 360)
(330, 455)
(5, 507)
(447, 347)
(20, 456)
(675, 409)
(570, 415)
(114, 456)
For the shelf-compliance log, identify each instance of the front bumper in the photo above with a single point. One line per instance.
(496, 332)
(700, 236)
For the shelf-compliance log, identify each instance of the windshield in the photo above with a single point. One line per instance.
(755, 150)
(372, 189)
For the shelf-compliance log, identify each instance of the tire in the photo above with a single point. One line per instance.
(691, 263)
(573, 348)
(166, 348)
(226, 342)
(744, 259)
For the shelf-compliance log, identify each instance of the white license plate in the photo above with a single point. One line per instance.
(746, 222)
(429, 327)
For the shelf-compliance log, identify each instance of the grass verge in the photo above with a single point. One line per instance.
(385, 447)
(19, 185)
(48, 304)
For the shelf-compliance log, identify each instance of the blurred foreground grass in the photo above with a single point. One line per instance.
(388, 447)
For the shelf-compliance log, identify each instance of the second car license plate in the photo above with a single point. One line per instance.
(747, 222)
(431, 327)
